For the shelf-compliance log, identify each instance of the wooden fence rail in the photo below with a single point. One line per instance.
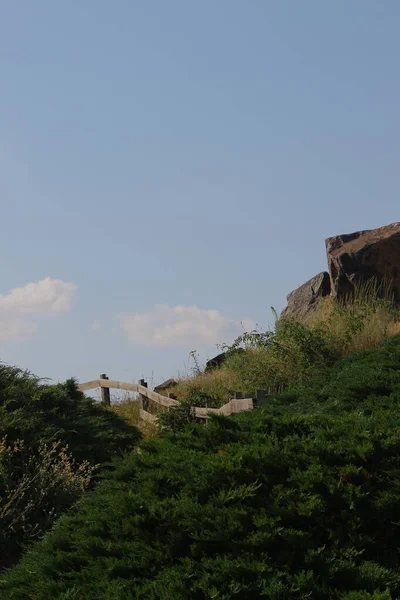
(104, 383)
(236, 405)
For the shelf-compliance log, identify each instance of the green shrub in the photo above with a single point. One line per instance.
(298, 499)
(178, 417)
(212, 389)
(36, 412)
(35, 491)
(51, 440)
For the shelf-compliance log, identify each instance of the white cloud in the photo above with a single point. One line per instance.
(179, 326)
(40, 298)
(48, 296)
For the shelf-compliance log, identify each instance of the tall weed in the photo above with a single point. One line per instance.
(361, 320)
(36, 486)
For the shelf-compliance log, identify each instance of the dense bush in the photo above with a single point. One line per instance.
(298, 499)
(52, 438)
(36, 412)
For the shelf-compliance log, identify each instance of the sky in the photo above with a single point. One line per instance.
(170, 170)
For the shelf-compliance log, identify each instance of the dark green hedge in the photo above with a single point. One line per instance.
(34, 411)
(298, 499)
(37, 413)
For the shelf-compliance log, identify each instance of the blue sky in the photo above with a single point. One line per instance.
(170, 169)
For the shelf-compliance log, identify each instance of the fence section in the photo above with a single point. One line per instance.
(233, 406)
(148, 396)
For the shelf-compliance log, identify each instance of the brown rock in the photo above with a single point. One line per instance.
(217, 361)
(303, 301)
(364, 255)
(166, 385)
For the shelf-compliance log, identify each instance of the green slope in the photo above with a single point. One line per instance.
(298, 499)
(36, 422)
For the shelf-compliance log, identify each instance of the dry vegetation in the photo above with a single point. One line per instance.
(128, 409)
(362, 320)
(277, 359)
(50, 472)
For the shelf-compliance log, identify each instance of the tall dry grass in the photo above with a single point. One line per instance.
(214, 388)
(31, 489)
(272, 361)
(361, 320)
(128, 408)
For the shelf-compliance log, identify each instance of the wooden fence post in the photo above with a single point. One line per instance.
(172, 396)
(143, 400)
(105, 392)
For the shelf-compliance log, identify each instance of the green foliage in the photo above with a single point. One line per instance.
(251, 339)
(196, 369)
(34, 491)
(292, 352)
(34, 412)
(273, 360)
(51, 439)
(178, 417)
(298, 499)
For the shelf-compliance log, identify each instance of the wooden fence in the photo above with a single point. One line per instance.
(147, 397)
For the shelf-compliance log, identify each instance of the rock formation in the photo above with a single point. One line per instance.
(217, 361)
(352, 259)
(165, 386)
(303, 301)
(364, 255)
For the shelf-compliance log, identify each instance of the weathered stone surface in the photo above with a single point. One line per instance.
(352, 258)
(363, 255)
(217, 361)
(303, 301)
(166, 385)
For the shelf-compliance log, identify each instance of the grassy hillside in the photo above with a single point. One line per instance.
(289, 354)
(298, 499)
(52, 441)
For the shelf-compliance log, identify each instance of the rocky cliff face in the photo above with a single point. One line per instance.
(352, 258)
(364, 255)
(304, 301)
